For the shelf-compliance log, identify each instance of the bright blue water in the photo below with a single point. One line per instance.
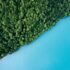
(51, 51)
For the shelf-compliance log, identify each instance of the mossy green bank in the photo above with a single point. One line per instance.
(22, 21)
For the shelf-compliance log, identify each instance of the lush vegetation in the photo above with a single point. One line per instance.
(22, 21)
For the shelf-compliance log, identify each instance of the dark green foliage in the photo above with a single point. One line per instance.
(22, 21)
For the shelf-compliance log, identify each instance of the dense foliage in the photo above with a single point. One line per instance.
(22, 21)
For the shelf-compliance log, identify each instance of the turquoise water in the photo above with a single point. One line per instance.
(51, 51)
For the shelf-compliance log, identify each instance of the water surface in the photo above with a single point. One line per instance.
(51, 51)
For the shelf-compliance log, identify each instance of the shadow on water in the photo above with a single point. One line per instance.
(51, 51)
